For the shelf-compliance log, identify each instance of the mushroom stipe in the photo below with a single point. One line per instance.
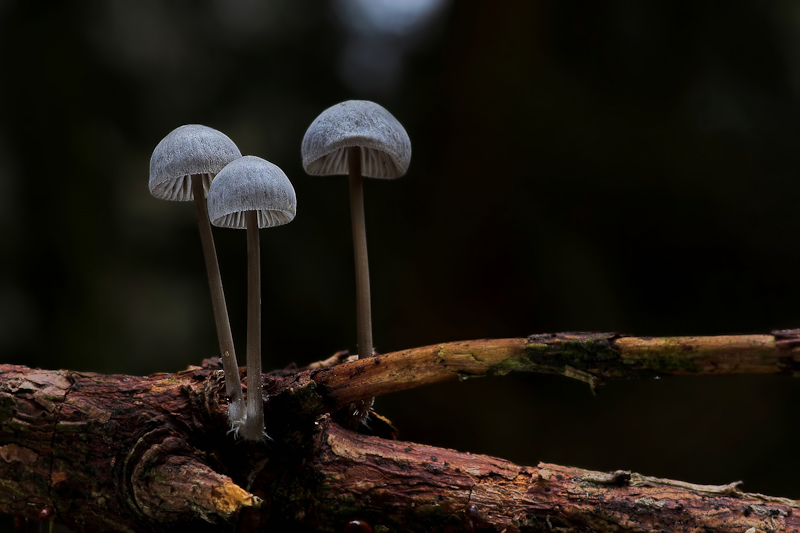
(254, 423)
(233, 384)
(364, 309)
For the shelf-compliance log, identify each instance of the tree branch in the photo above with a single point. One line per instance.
(590, 357)
(412, 487)
(128, 453)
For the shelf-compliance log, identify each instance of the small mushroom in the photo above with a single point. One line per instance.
(252, 193)
(357, 138)
(181, 169)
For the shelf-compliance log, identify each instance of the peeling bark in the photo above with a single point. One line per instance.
(124, 453)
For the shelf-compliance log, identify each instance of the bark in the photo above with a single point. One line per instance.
(125, 453)
(410, 487)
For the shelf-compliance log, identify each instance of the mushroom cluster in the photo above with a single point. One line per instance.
(248, 192)
(200, 164)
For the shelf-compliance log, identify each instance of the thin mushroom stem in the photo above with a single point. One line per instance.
(363, 312)
(359, 410)
(254, 424)
(233, 385)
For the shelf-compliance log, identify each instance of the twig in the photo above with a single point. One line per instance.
(589, 357)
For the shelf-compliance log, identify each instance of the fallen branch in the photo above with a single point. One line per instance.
(411, 487)
(128, 453)
(589, 357)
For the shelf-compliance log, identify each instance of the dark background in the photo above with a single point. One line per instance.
(577, 166)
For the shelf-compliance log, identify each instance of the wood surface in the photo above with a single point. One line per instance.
(127, 453)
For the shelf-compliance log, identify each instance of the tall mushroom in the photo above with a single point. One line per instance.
(252, 193)
(357, 138)
(181, 169)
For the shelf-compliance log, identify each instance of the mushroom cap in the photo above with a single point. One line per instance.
(251, 184)
(187, 150)
(385, 146)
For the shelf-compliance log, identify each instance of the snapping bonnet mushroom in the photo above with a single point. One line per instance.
(252, 193)
(357, 138)
(182, 167)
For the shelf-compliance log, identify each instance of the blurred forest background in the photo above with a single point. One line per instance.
(577, 166)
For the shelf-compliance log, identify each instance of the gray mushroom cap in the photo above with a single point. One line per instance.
(385, 146)
(251, 184)
(187, 150)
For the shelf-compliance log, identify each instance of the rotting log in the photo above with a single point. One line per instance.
(124, 453)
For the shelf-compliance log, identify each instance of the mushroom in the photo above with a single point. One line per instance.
(357, 138)
(181, 169)
(252, 193)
